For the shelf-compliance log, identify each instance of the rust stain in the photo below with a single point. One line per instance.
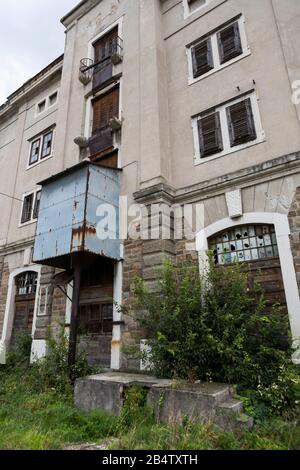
(79, 234)
(115, 343)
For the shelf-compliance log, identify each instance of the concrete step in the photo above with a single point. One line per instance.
(231, 405)
(172, 401)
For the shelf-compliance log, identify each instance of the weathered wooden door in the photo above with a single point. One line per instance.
(96, 312)
(23, 320)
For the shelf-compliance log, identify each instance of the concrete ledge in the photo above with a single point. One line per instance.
(172, 402)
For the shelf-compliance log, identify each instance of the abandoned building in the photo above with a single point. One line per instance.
(160, 101)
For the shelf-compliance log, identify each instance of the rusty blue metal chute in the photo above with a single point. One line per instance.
(66, 232)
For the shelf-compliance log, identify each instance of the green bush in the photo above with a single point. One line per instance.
(211, 327)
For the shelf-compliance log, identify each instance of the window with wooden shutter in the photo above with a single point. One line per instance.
(202, 58)
(106, 46)
(210, 135)
(229, 42)
(104, 108)
(241, 123)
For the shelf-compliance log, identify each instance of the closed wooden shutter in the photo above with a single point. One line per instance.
(229, 42)
(241, 123)
(106, 46)
(202, 58)
(210, 135)
(104, 108)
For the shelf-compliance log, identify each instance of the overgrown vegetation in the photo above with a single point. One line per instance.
(213, 328)
(36, 401)
(37, 412)
(208, 329)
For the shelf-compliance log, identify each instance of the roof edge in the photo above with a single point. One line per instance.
(48, 67)
(84, 5)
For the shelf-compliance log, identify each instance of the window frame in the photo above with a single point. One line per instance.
(40, 138)
(216, 59)
(187, 9)
(227, 148)
(48, 104)
(32, 218)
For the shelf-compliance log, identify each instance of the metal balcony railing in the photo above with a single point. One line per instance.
(101, 140)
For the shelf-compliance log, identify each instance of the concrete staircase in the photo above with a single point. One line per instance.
(173, 402)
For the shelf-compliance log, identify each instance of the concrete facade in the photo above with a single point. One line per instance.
(158, 150)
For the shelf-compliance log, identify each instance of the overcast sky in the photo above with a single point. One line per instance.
(31, 36)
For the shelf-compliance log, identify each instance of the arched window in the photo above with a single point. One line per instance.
(26, 283)
(244, 243)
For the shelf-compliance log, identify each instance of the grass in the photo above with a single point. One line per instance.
(40, 418)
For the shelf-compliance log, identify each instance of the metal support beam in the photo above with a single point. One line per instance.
(74, 318)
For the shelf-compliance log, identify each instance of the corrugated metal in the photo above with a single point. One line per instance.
(67, 221)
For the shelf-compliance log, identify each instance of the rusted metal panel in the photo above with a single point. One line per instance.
(68, 219)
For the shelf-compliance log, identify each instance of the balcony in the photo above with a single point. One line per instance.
(67, 221)
(102, 72)
(102, 140)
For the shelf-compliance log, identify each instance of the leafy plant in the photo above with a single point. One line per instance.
(211, 327)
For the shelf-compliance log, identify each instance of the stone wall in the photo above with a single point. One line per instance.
(144, 258)
(4, 278)
(294, 220)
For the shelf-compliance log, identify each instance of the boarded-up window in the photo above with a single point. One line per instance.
(104, 108)
(229, 42)
(202, 58)
(210, 136)
(241, 123)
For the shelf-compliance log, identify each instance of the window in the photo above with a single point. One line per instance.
(217, 49)
(241, 123)
(42, 106)
(191, 6)
(41, 147)
(37, 204)
(96, 319)
(30, 208)
(47, 144)
(229, 42)
(26, 283)
(229, 127)
(35, 151)
(210, 136)
(202, 58)
(104, 108)
(245, 243)
(47, 102)
(106, 46)
(53, 98)
(27, 208)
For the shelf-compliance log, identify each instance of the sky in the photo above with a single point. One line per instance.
(31, 36)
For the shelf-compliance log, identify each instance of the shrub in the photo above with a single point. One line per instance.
(53, 371)
(211, 327)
